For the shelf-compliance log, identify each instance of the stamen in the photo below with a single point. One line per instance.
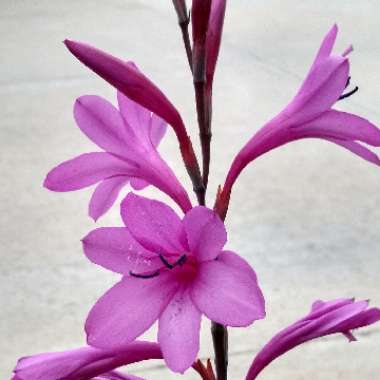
(166, 263)
(181, 260)
(348, 82)
(348, 94)
(145, 276)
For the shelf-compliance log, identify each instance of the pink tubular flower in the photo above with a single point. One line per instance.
(325, 318)
(137, 87)
(173, 271)
(309, 115)
(85, 363)
(130, 138)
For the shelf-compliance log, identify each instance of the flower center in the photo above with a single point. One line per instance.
(185, 268)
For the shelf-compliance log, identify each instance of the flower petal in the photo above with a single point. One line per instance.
(105, 196)
(137, 118)
(153, 224)
(114, 248)
(341, 125)
(358, 149)
(319, 91)
(178, 332)
(86, 170)
(139, 184)
(327, 44)
(157, 129)
(85, 362)
(205, 232)
(226, 291)
(128, 309)
(102, 123)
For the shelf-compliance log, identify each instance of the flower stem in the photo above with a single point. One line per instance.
(220, 341)
(184, 25)
(196, 57)
(202, 103)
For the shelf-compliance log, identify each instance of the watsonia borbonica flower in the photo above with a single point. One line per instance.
(129, 137)
(173, 271)
(325, 318)
(310, 115)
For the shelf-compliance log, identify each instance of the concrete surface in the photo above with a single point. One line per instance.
(306, 216)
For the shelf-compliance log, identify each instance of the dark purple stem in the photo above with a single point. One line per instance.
(184, 25)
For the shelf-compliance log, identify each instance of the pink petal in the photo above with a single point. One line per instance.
(128, 309)
(157, 129)
(178, 332)
(115, 249)
(214, 37)
(226, 291)
(129, 81)
(327, 44)
(139, 184)
(86, 362)
(105, 196)
(320, 90)
(325, 318)
(86, 170)
(206, 234)
(358, 149)
(341, 125)
(101, 122)
(137, 118)
(153, 224)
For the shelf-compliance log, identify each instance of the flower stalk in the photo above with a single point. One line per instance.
(183, 22)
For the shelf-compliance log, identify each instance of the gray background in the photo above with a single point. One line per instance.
(306, 216)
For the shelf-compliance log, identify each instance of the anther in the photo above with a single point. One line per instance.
(145, 276)
(181, 260)
(166, 263)
(348, 94)
(348, 82)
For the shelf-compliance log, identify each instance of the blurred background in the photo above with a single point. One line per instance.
(306, 216)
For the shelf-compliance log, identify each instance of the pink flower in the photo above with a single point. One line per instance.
(85, 363)
(309, 115)
(137, 87)
(325, 318)
(173, 271)
(130, 138)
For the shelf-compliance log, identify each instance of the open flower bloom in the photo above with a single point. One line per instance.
(173, 271)
(137, 87)
(309, 115)
(325, 318)
(85, 363)
(129, 138)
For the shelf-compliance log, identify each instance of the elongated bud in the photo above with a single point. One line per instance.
(214, 37)
(200, 14)
(181, 9)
